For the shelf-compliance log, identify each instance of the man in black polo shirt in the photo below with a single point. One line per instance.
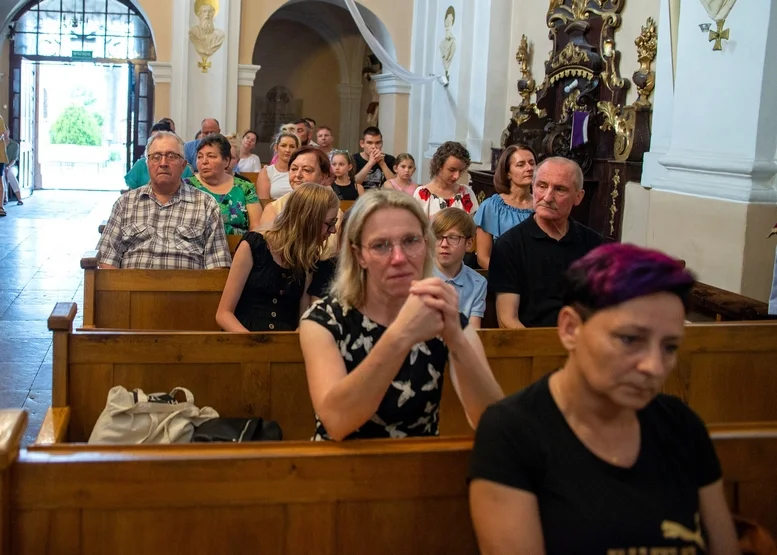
(529, 261)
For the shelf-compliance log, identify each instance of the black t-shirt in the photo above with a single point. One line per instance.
(527, 262)
(411, 405)
(375, 179)
(346, 192)
(588, 506)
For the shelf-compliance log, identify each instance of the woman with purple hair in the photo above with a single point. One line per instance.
(592, 458)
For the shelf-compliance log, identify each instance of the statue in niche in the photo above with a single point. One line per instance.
(374, 67)
(204, 36)
(448, 43)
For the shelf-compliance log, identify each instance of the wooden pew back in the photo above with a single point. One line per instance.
(293, 498)
(723, 372)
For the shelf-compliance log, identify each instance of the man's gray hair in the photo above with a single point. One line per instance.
(571, 164)
(162, 134)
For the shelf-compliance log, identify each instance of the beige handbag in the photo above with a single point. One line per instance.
(132, 417)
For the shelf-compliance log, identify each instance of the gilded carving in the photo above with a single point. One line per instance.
(526, 85)
(571, 54)
(644, 77)
(569, 105)
(581, 10)
(616, 181)
(621, 120)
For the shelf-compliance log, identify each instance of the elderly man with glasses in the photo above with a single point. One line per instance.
(164, 225)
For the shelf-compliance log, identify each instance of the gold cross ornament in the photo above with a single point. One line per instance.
(719, 35)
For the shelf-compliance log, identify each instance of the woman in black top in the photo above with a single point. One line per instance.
(592, 459)
(267, 285)
(375, 348)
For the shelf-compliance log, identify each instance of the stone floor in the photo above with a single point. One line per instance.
(41, 244)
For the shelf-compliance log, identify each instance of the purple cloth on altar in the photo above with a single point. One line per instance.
(579, 129)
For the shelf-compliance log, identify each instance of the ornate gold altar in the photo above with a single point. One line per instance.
(582, 77)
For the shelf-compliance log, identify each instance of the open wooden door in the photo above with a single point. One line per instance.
(24, 124)
(140, 108)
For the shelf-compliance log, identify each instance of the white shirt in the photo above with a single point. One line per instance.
(250, 164)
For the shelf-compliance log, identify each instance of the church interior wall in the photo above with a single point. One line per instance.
(294, 56)
(159, 16)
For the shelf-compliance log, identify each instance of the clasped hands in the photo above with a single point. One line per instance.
(431, 310)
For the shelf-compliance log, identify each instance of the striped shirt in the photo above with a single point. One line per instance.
(185, 233)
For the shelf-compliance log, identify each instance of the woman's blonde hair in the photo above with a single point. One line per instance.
(295, 235)
(349, 285)
(276, 141)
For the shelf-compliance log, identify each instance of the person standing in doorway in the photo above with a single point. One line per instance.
(12, 153)
(3, 164)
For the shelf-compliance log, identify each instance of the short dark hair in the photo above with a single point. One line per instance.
(161, 126)
(445, 151)
(168, 121)
(371, 130)
(252, 133)
(615, 273)
(309, 120)
(320, 127)
(323, 159)
(501, 179)
(302, 121)
(221, 143)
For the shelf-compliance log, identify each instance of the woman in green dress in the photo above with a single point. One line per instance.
(240, 207)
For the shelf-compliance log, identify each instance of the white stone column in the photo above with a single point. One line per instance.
(246, 76)
(394, 107)
(348, 134)
(162, 72)
(723, 139)
(714, 204)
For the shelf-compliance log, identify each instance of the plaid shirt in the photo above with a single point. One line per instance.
(184, 234)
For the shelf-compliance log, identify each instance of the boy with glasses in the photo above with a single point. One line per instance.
(454, 230)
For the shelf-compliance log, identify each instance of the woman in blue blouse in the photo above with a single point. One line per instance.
(513, 202)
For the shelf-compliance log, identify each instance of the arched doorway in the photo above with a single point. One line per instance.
(81, 94)
(312, 56)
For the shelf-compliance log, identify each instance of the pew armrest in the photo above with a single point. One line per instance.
(12, 426)
(101, 227)
(90, 260)
(62, 317)
(54, 428)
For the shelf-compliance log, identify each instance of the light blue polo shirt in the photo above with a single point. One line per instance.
(472, 288)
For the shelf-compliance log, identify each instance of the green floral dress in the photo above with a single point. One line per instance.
(233, 204)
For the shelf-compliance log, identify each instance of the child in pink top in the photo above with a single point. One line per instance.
(404, 168)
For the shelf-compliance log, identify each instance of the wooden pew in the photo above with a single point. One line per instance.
(280, 498)
(724, 373)
(151, 299)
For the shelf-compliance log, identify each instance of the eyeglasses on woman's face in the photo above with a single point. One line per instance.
(411, 245)
(453, 240)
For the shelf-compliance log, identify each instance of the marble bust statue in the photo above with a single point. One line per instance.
(204, 36)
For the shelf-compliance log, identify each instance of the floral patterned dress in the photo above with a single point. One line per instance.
(464, 198)
(233, 204)
(411, 406)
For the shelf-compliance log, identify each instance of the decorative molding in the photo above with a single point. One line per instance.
(161, 71)
(712, 176)
(386, 83)
(246, 74)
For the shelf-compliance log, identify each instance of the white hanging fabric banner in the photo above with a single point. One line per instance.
(385, 58)
(718, 9)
